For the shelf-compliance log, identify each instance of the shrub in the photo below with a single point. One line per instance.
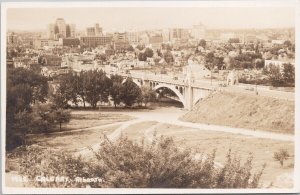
(128, 164)
(281, 156)
(38, 162)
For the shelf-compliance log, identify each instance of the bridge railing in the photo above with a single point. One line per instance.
(178, 80)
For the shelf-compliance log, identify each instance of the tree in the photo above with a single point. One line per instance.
(24, 88)
(21, 127)
(166, 46)
(140, 47)
(68, 90)
(275, 75)
(142, 56)
(130, 92)
(43, 117)
(289, 73)
(116, 89)
(81, 90)
(168, 56)
(232, 63)
(287, 43)
(148, 53)
(130, 48)
(33, 80)
(60, 98)
(41, 60)
(159, 53)
(218, 61)
(47, 116)
(116, 93)
(281, 156)
(259, 63)
(96, 87)
(202, 43)
(61, 116)
(147, 95)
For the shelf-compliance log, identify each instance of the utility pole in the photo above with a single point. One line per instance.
(256, 79)
(211, 67)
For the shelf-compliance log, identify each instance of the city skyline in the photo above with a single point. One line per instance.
(142, 18)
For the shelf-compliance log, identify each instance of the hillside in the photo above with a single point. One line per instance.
(244, 111)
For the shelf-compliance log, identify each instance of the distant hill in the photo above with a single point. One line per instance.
(244, 111)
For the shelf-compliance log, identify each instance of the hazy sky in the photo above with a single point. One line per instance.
(151, 18)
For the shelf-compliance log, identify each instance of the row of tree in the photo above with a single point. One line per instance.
(95, 86)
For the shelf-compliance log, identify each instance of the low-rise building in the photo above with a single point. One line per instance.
(52, 60)
(70, 42)
(278, 42)
(121, 45)
(95, 41)
(22, 62)
(42, 43)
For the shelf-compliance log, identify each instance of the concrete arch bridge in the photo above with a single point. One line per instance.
(188, 92)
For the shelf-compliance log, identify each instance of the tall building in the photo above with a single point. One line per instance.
(156, 41)
(98, 30)
(12, 38)
(174, 34)
(94, 31)
(120, 41)
(90, 31)
(198, 31)
(166, 35)
(132, 37)
(60, 29)
(51, 31)
(120, 36)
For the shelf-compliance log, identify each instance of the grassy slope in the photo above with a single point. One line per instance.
(245, 111)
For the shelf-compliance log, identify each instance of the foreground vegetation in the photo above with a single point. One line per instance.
(124, 163)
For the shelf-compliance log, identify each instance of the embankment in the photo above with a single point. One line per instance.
(244, 111)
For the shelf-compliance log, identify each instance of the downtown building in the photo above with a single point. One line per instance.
(198, 31)
(11, 38)
(120, 41)
(132, 37)
(60, 30)
(94, 31)
(156, 41)
(95, 41)
(95, 37)
(175, 34)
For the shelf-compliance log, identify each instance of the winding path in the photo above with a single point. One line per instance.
(172, 117)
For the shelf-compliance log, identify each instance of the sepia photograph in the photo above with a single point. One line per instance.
(150, 97)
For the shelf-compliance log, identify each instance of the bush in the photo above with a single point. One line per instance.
(41, 162)
(281, 156)
(128, 164)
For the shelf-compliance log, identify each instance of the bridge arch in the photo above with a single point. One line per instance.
(173, 88)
